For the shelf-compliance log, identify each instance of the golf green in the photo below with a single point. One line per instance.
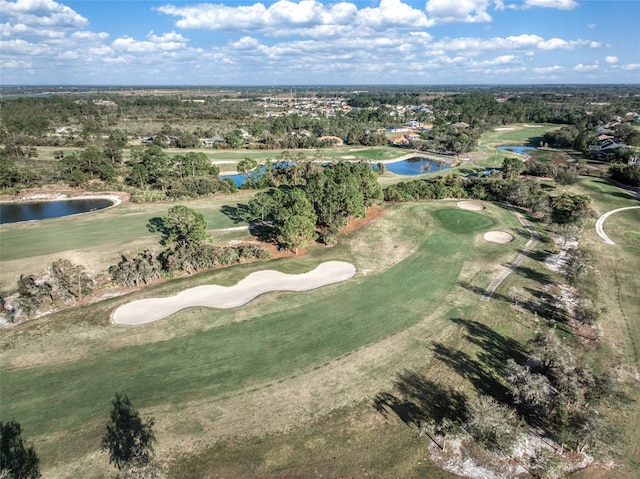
(462, 221)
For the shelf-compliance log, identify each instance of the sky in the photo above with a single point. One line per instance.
(319, 42)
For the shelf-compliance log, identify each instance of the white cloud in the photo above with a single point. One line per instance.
(559, 4)
(391, 13)
(282, 14)
(85, 35)
(154, 43)
(631, 67)
(44, 13)
(16, 64)
(459, 11)
(474, 46)
(22, 47)
(591, 26)
(547, 70)
(587, 68)
(612, 60)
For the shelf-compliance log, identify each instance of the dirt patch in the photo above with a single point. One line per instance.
(373, 213)
(470, 205)
(498, 237)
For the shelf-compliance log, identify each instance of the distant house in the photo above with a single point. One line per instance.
(413, 124)
(605, 137)
(412, 136)
(397, 129)
(400, 141)
(605, 147)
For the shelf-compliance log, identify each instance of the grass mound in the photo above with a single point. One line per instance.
(462, 221)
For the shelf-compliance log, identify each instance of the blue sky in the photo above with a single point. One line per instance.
(311, 42)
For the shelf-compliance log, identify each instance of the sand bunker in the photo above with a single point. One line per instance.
(213, 296)
(498, 237)
(470, 205)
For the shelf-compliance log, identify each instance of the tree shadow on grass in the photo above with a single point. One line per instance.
(533, 275)
(471, 369)
(536, 255)
(239, 213)
(420, 402)
(496, 349)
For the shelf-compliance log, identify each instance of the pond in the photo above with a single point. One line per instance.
(520, 150)
(413, 166)
(417, 165)
(40, 210)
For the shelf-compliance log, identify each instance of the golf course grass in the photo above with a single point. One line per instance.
(280, 336)
(456, 220)
(284, 385)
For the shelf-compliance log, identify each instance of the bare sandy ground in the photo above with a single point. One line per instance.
(498, 237)
(470, 205)
(213, 296)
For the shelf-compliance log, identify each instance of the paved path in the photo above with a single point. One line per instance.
(533, 241)
(600, 223)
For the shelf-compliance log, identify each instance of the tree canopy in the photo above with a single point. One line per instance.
(16, 459)
(128, 439)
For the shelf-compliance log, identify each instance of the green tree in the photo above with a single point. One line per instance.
(246, 166)
(128, 439)
(16, 460)
(512, 167)
(182, 226)
(297, 231)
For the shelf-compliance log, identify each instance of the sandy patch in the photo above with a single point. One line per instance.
(470, 205)
(498, 237)
(503, 129)
(348, 157)
(213, 296)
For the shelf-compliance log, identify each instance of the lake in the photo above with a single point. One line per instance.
(40, 210)
(410, 167)
(521, 150)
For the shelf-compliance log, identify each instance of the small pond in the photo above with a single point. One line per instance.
(521, 150)
(410, 167)
(415, 166)
(15, 212)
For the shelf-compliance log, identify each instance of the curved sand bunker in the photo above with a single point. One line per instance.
(498, 237)
(470, 205)
(213, 296)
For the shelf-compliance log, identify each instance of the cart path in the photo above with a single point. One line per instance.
(600, 223)
(534, 237)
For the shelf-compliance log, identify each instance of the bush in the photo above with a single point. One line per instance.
(493, 425)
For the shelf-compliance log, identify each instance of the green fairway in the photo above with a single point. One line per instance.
(281, 336)
(29, 247)
(462, 221)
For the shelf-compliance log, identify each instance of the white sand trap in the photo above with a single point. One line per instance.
(213, 296)
(504, 129)
(498, 237)
(348, 157)
(470, 205)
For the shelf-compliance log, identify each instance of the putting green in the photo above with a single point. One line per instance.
(460, 221)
